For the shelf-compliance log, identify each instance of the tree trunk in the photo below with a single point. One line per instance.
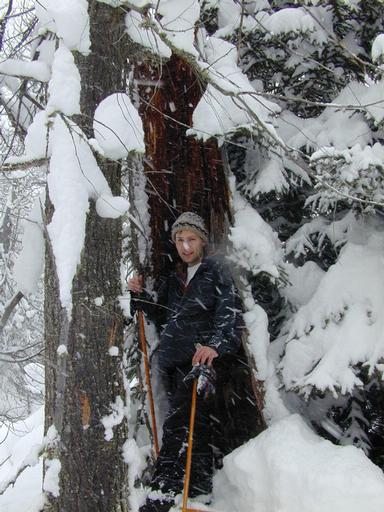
(182, 173)
(81, 386)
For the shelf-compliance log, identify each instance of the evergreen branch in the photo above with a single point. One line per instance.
(362, 63)
(295, 99)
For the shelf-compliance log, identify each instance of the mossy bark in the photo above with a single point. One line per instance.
(82, 385)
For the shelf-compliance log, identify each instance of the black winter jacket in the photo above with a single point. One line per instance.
(208, 311)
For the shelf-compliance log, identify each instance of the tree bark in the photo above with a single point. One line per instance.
(81, 386)
(182, 173)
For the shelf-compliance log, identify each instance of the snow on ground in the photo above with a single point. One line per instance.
(288, 468)
(26, 495)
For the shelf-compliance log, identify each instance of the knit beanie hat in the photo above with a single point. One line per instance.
(192, 222)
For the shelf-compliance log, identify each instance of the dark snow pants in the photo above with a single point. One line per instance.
(169, 470)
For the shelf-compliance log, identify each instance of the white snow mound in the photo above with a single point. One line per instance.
(288, 468)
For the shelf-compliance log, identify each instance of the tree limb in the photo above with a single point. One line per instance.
(22, 166)
(9, 308)
(3, 22)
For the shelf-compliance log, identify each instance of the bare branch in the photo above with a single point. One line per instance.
(9, 309)
(4, 21)
(22, 166)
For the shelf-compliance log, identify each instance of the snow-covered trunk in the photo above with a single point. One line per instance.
(84, 377)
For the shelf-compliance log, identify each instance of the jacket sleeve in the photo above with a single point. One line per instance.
(155, 308)
(228, 320)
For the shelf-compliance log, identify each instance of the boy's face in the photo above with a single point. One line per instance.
(189, 246)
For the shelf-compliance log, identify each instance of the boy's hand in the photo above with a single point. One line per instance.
(204, 355)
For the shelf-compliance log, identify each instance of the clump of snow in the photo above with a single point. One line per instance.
(267, 171)
(36, 143)
(130, 3)
(62, 350)
(178, 19)
(256, 322)
(310, 274)
(333, 127)
(29, 264)
(378, 48)
(64, 86)
(36, 140)
(119, 412)
(230, 14)
(52, 436)
(256, 245)
(298, 20)
(271, 176)
(341, 325)
(337, 232)
(369, 96)
(74, 178)
(99, 301)
(274, 407)
(46, 50)
(113, 351)
(356, 158)
(229, 100)
(288, 467)
(118, 127)
(359, 173)
(22, 108)
(111, 207)
(51, 482)
(147, 37)
(118, 3)
(35, 69)
(69, 20)
(136, 460)
(136, 3)
(228, 17)
(70, 199)
(374, 101)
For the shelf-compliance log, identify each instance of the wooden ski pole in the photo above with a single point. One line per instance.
(143, 344)
(189, 449)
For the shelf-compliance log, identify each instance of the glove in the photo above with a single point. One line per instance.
(206, 380)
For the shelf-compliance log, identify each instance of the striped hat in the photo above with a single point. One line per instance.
(192, 222)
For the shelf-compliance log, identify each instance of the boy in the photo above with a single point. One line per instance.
(200, 313)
